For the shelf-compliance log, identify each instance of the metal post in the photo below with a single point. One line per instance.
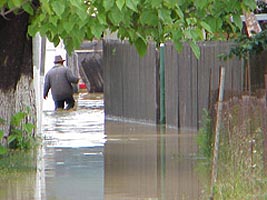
(162, 85)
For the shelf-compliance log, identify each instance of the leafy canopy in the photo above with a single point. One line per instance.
(139, 21)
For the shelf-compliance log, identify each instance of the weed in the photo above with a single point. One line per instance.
(204, 137)
(21, 133)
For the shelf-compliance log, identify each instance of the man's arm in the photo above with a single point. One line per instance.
(71, 77)
(46, 87)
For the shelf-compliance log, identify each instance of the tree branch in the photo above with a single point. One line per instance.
(5, 12)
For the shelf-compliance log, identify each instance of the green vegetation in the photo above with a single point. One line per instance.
(139, 21)
(204, 136)
(21, 133)
(18, 158)
(245, 46)
(241, 171)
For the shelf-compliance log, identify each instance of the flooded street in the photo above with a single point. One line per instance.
(88, 158)
(73, 151)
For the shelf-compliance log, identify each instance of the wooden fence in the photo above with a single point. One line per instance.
(131, 83)
(192, 85)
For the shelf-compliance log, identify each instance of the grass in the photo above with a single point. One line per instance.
(241, 173)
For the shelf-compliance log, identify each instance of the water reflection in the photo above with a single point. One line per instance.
(73, 157)
(87, 158)
(144, 162)
(18, 178)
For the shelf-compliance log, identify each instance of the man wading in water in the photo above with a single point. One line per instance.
(59, 79)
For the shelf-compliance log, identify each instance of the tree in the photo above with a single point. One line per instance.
(73, 21)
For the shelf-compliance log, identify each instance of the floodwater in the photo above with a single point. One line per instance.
(84, 157)
(88, 158)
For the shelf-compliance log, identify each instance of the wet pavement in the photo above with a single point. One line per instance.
(88, 158)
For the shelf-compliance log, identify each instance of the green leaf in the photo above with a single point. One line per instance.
(12, 138)
(214, 23)
(2, 121)
(238, 21)
(1, 134)
(102, 18)
(179, 12)
(17, 118)
(170, 3)
(68, 26)
(155, 3)
(115, 16)
(149, 17)
(3, 150)
(120, 4)
(16, 3)
(97, 30)
(178, 45)
(165, 15)
(195, 48)
(201, 3)
(58, 8)
(53, 20)
(28, 127)
(108, 4)
(141, 46)
(206, 26)
(56, 40)
(46, 6)
(28, 8)
(10, 4)
(82, 14)
(250, 4)
(75, 3)
(32, 30)
(2, 3)
(132, 4)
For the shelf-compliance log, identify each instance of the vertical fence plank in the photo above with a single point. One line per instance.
(106, 76)
(148, 90)
(171, 74)
(194, 92)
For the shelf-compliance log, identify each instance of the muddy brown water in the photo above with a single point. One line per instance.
(85, 157)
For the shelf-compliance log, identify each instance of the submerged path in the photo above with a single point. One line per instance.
(88, 158)
(73, 151)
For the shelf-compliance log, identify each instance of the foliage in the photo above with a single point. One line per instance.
(241, 167)
(245, 46)
(21, 132)
(204, 136)
(3, 150)
(139, 21)
(241, 173)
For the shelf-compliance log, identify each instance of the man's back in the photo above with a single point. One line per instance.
(59, 79)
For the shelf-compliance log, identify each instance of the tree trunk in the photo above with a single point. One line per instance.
(16, 69)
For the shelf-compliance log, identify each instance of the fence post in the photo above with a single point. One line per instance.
(264, 128)
(162, 84)
(217, 133)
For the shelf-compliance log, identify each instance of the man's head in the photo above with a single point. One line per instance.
(58, 59)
